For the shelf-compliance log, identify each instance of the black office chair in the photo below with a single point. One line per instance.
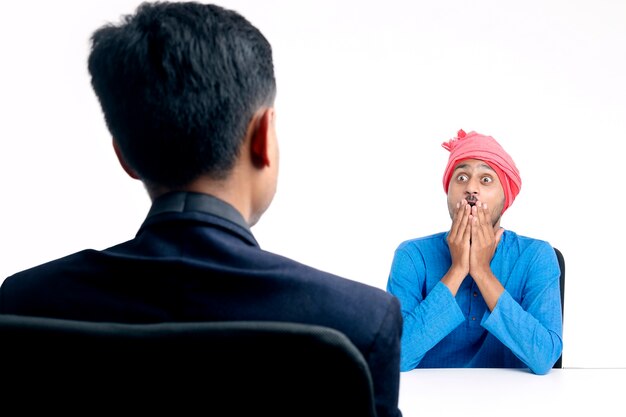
(202, 368)
(561, 259)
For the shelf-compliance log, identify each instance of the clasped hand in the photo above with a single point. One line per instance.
(472, 239)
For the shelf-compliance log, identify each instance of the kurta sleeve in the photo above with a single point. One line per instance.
(427, 318)
(532, 327)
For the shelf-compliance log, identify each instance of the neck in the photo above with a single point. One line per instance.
(227, 190)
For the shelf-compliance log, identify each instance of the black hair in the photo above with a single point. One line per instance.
(178, 83)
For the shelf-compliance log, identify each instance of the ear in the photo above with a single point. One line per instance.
(131, 172)
(260, 138)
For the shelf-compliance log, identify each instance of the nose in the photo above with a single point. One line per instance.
(471, 187)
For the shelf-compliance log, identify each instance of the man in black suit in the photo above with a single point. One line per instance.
(187, 91)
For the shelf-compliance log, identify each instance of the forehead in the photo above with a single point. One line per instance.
(473, 165)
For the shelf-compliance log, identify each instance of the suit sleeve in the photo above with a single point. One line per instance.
(384, 362)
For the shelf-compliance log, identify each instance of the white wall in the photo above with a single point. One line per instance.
(367, 92)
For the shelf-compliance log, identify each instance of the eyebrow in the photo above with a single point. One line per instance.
(464, 166)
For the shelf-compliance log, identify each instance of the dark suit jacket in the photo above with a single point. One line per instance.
(195, 259)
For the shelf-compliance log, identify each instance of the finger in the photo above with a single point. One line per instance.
(482, 232)
(464, 224)
(476, 220)
(468, 230)
(459, 219)
(484, 221)
(485, 215)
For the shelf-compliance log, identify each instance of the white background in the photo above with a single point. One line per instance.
(367, 92)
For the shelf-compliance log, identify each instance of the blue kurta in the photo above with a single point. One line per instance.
(442, 331)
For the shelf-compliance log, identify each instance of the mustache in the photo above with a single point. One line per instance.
(471, 200)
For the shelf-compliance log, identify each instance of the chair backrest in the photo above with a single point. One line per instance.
(561, 259)
(212, 368)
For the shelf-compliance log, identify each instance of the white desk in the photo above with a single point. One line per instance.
(513, 392)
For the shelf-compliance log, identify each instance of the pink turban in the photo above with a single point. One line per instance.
(473, 145)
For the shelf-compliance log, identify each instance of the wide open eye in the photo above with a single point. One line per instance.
(486, 180)
(462, 178)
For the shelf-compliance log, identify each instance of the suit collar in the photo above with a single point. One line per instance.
(188, 202)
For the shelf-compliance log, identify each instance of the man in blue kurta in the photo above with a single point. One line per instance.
(477, 295)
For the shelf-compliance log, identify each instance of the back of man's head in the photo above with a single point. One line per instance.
(178, 84)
